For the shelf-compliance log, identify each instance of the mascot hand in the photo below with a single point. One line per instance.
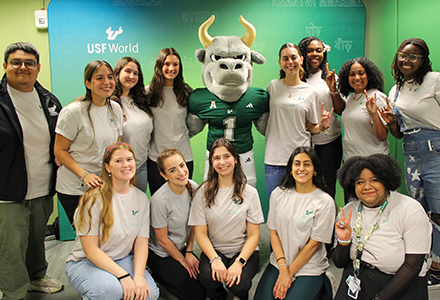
(195, 124)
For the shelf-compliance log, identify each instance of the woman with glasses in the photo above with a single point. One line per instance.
(415, 116)
(138, 118)
(84, 129)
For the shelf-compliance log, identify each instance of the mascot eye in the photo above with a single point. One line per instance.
(215, 58)
(241, 57)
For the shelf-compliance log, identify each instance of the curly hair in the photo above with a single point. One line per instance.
(211, 183)
(384, 167)
(303, 46)
(160, 165)
(424, 68)
(374, 75)
(180, 88)
(290, 45)
(103, 193)
(288, 182)
(137, 93)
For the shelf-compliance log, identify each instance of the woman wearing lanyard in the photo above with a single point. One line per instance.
(382, 248)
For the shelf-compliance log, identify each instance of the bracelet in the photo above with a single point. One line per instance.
(333, 93)
(84, 175)
(217, 257)
(123, 276)
(322, 129)
(188, 251)
(282, 257)
(282, 265)
(344, 243)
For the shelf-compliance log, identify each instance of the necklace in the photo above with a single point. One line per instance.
(290, 89)
(126, 103)
(356, 99)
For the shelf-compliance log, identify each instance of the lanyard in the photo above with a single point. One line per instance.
(358, 230)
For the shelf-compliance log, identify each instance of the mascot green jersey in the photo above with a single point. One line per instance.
(228, 104)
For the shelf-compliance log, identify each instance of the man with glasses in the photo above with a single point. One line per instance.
(28, 115)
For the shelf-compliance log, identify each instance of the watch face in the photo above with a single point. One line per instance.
(242, 261)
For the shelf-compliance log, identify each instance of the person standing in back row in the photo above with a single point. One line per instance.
(28, 114)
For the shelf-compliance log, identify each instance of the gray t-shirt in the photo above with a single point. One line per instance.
(299, 217)
(290, 109)
(131, 219)
(226, 220)
(88, 142)
(172, 211)
(359, 138)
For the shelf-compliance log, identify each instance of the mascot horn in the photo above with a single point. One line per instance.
(228, 104)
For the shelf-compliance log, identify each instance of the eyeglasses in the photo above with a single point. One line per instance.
(29, 64)
(411, 57)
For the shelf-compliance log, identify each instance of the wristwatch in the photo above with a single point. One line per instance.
(241, 260)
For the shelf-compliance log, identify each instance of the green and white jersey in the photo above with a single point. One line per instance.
(231, 120)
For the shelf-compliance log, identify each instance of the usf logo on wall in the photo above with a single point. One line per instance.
(84, 30)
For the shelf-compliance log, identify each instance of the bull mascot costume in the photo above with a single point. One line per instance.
(228, 104)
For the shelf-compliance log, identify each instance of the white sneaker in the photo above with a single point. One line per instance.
(46, 285)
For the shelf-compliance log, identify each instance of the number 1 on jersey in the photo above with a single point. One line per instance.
(229, 128)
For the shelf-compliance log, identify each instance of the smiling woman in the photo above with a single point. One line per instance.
(112, 221)
(382, 249)
(365, 131)
(85, 127)
(301, 217)
(226, 214)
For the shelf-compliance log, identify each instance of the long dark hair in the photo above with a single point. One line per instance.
(89, 70)
(374, 75)
(290, 45)
(424, 68)
(211, 183)
(180, 88)
(160, 165)
(288, 182)
(137, 93)
(303, 46)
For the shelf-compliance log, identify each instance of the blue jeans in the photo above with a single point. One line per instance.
(273, 175)
(95, 283)
(142, 177)
(422, 172)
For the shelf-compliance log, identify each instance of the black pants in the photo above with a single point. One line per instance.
(215, 290)
(69, 203)
(330, 156)
(174, 277)
(374, 280)
(155, 180)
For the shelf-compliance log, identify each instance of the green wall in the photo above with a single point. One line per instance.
(388, 23)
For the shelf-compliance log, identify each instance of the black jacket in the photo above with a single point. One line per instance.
(13, 174)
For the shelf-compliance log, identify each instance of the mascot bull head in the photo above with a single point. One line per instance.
(227, 61)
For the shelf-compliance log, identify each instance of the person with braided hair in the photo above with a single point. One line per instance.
(328, 146)
(173, 263)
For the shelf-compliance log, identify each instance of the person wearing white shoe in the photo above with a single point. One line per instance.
(28, 114)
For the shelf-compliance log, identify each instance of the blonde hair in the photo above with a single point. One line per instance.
(83, 218)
